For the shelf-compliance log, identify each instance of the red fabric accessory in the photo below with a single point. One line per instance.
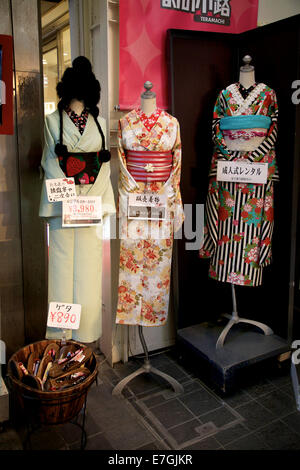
(149, 121)
(147, 166)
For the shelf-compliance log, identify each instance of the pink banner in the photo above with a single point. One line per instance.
(143, 29)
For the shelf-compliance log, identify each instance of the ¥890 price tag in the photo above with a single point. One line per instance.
(65, 316)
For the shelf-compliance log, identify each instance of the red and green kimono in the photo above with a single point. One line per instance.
(239, 218)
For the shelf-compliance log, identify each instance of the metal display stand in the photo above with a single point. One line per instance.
(234, 319)
(146, 368)
(33, 427)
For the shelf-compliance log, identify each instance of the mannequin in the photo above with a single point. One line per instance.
(75, 146)
(148, 100)
(247, 74)
(150, 162)
(239, 217)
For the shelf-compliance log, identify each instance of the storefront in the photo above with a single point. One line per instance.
(189, 58)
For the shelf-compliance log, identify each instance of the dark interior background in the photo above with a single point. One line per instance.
(201, 64)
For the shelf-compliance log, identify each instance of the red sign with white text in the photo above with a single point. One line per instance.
(143, 29)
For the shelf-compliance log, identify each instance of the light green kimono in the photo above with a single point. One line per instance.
(75, 254)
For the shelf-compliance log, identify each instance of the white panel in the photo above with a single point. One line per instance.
(275, 10)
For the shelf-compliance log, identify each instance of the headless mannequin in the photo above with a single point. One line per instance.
(148, 106)
(247, 74)
(148, 100)
(246, 79)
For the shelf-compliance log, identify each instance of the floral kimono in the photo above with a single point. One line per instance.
(146, 245)
(239, 217)
(75, 254)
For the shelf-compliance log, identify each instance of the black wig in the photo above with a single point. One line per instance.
(79, 82)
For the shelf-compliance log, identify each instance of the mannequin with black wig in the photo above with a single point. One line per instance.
(78, 90)
(75, 253)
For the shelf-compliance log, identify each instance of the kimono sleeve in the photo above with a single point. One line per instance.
(176, 173)
(49, 161)
(217, 136)
(267, 147)
(51, 169)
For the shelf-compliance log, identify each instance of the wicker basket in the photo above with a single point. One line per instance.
(50, 407)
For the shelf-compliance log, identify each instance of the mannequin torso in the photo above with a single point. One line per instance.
(148, 106)
(247, 79)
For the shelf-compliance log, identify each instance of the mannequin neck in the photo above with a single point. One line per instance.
(148, 105)
(77, 106)
(247, 79)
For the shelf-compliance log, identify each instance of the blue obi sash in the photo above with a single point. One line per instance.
(245, 122)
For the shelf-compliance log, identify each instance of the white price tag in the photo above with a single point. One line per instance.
(147, 206)
(82, 211)
(64, 316)
(242, 172)
(60, 189)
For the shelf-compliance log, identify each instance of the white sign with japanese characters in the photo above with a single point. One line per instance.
(63, 315)
(60, 189)
(82, 211)
(242, 172)
(147, 206)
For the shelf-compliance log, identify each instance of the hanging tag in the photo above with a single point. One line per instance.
(60, 189)
(147, 206)
(242, 172)
(64, 316)
(82, 211)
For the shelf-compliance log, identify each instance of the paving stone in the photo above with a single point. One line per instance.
(185, 432)
(200, 401)
(128, 435)
(255, 415)
(209, 443)
(249, 442)
(278, 436)
(220, 417)
(231, 434)
(172, 413)
(278, 403)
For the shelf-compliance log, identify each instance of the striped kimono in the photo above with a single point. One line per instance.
(239, 218)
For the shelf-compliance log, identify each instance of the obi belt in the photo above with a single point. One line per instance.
(147, 166)
(244, 132)
(84, 167)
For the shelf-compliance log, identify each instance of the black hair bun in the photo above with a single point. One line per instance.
(82, 65)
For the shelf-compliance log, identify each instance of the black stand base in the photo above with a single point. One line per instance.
(242, 349)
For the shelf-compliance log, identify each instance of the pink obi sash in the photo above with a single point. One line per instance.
(149, 166)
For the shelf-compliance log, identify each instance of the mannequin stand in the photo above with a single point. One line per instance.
(146, 368)
(234, 319)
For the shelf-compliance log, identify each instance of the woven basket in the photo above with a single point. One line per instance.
(50, 407)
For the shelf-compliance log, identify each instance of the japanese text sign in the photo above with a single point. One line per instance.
(82, 211)
(147, 206)
(242, 172)
(63, 315)
(60, 189)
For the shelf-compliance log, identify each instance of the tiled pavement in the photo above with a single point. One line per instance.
(149, 416)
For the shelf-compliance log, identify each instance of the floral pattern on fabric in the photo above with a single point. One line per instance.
(239, 218)
(146, 246)
(78, 119)
(149, 121)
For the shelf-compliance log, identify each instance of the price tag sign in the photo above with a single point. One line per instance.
(63, 315)
(60, 189)
(82, 211)
(147, 206)
(242, 172)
